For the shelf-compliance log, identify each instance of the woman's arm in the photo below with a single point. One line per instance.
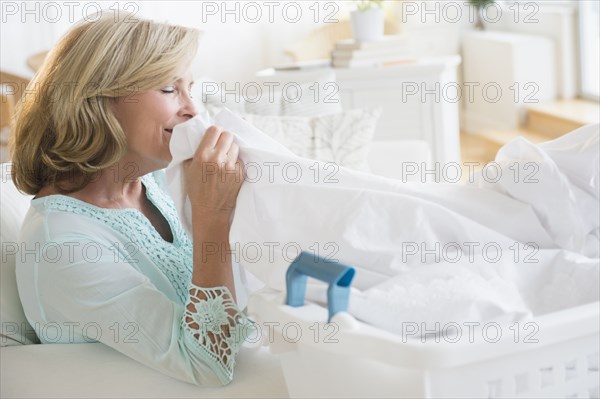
(213, 179)
(110, 300)
(212, 256)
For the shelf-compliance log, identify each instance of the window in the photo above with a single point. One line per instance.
(589, 48)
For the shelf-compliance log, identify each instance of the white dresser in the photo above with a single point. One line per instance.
(419, 99)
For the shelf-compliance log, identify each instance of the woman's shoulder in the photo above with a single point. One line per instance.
(57, 218)
(54, 216)
(57, 214)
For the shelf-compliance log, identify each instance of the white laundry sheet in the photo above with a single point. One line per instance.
(524, 245)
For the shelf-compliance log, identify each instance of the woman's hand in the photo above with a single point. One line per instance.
(214, 175)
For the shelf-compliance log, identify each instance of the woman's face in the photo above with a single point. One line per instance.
(148, 119)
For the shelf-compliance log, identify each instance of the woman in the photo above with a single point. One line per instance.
(110, 260)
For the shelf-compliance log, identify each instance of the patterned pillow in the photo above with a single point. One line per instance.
(342, 137)
(294, 132)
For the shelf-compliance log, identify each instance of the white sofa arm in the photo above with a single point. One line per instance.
(97, 371)
(387, 156)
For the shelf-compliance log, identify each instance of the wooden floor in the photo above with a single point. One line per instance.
(582, 111)
(482, 146)
(474, 148)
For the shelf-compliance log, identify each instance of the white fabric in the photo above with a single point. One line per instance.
(185, 141)
(386, 158)
(368, 222)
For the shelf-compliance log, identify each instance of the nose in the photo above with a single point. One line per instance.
(187, 107)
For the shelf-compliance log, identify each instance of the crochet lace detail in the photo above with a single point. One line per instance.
(218, 326)
(173, 259)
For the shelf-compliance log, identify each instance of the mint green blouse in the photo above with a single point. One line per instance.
(89, 274)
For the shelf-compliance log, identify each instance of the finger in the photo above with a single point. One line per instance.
(232, 156)
(224, 143)
(240, 164)
(211, 137)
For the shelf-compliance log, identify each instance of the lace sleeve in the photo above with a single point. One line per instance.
(217, 326)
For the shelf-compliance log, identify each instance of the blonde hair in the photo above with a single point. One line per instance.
(64, 126)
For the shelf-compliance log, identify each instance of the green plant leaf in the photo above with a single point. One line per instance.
(364, 5)
(480, 3)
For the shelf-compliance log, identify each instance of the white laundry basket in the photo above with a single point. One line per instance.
(554, 355)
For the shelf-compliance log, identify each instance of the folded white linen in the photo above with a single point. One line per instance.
(514, 236)
(185, 140)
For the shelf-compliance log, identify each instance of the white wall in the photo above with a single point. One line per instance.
(233, 51)
(230, 51)
(435, 29)
(556, 20)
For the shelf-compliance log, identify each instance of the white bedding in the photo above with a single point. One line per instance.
(532, 239)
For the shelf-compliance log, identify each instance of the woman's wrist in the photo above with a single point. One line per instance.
(207, 216)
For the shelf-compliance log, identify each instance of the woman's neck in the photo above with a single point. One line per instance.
(118, 186)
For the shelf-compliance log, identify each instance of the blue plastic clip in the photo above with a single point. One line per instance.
(339, 277)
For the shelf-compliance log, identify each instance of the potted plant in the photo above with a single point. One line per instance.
(479, 6)
(368, 20)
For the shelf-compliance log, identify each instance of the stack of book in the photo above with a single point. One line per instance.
(389, 50)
